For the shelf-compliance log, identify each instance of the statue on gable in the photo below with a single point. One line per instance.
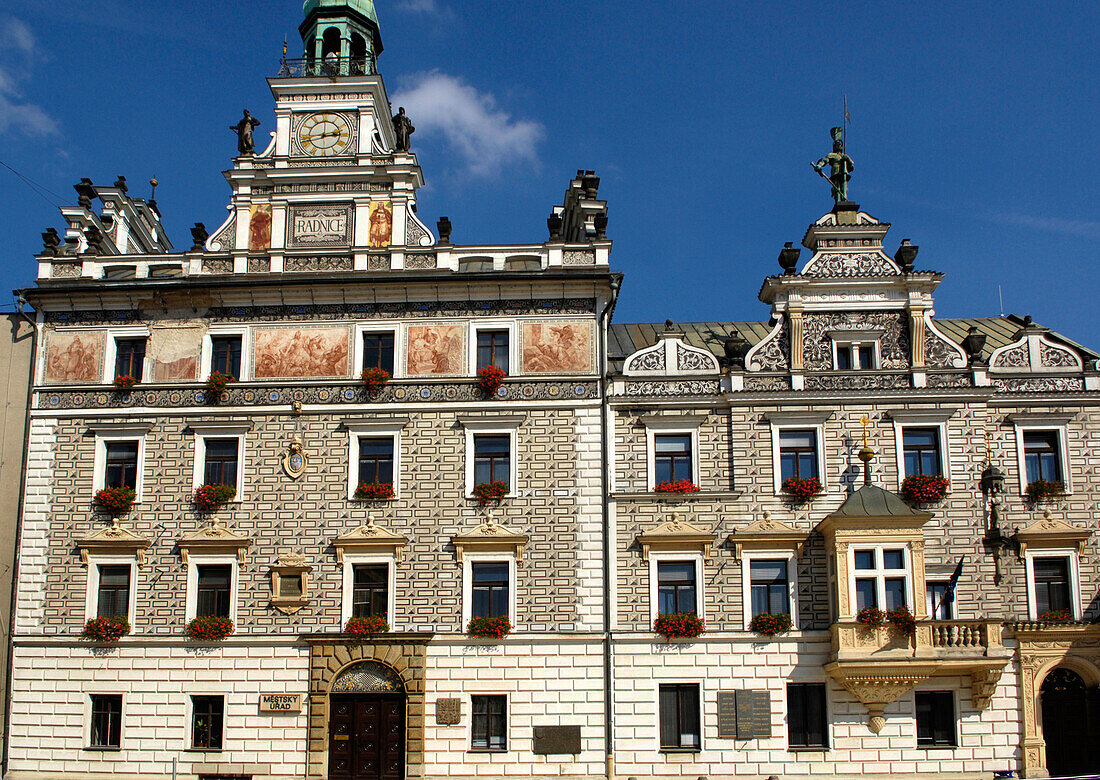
(840, 166)
(402, 130)
(246, 141)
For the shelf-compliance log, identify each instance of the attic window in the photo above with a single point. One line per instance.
(165, 271)
(521, 263)
(475, 264)
(855, 349)
(120, 272)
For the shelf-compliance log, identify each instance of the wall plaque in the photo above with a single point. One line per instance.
(325, 226)
(744, 715)
(280, 702)
(556, 740)
(448, 712)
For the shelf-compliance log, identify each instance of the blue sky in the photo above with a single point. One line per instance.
(973, 130)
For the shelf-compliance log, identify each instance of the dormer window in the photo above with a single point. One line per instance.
(855, 350)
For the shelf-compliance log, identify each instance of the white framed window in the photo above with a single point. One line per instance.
(363, 577)
(798, 447)
(675, 583)
(491, 445)
(679, 716)
(129, 356)
(374, 451)
(769, 583)
(1042, 448)
(220, 456)
(112, 587)
(223, 349)
(1053, 581)
(119, 459)
(493, 343)
(377, 346)
(672, 449)
(921, 442)
(212, 582)
(484, 577)
(939, 599)
(854, 355)
(880, 576)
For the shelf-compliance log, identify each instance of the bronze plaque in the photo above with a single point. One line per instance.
(752, 715)
(557, 740)
(448, 712)
(727, 715)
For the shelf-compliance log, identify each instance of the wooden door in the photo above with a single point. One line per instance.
(1069, 726)
(367, 737)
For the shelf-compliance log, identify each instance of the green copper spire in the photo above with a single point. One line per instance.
(362, 7)
(341, 37)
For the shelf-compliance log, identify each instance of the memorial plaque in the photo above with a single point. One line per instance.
(744, 715)
(280, 702)
(448, 712)
(727, 715)
(325, 226)
(556, 740)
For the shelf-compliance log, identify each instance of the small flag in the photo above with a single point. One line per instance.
(847, 116)
(949, 591)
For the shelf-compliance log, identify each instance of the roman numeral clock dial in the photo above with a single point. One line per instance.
(324, 135)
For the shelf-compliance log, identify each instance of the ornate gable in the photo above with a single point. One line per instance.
(215, 539)
(370, 538)
(1034, 351)
(671, 356)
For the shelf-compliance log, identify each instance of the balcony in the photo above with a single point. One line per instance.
(879, 665)
(330, 67)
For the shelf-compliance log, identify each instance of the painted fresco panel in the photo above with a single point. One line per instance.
(259, 228)
(435, 350)
(558, 347)
(175, 353)
(294, 353)
(380, 219)
(75, 356)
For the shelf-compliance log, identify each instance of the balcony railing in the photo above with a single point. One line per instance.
(331, 67)
(943, 639)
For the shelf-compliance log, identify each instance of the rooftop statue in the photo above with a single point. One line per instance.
(246, 143)
(402, 129)
(840, 166)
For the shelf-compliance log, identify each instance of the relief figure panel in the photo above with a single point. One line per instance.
(435, 350)
(74, 356)
(560, 347)
(296, 353)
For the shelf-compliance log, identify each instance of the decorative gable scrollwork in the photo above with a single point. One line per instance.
(850, 265)
(940, 351)
(773, 351)
(1034, 351)
(370, 538)
(817, 348)
(1053, 356)
(648, 359)
(670, 350)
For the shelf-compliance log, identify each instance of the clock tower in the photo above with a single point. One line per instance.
(333, 188)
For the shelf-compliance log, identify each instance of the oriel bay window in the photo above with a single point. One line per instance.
(106, 732)
(679, 715)
(375, 460)
(921, 448)
(225, 355)
(672, 458)
(213, 588)
(489, 596)
(676, 587)
(492, 456)
(370, 590)
(798, 454)
(489, 723)
(881, 578)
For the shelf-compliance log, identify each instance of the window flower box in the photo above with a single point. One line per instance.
(216, 384)
(374, 491)
(489, 379)
(902, 619)
(124, 382)
(366, 626)
(924, 488)
(115, 500)
(1056, 616)
(210, 628)
(489, 627)
(485, 492)
(871, 617)
(679, 486)
(375, 379)
(767, 624)
(209, 498)
(1044, 490)
(679, 625)
(104, 629)
(801, 490)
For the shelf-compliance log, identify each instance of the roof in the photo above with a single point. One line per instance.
(364, 7)
(872, 502)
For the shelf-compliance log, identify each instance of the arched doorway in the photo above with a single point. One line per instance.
(1071, 724)
(367, 724)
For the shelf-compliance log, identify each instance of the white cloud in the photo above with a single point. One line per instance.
(420, 6)
(17, 52)
(1069, 227)
(483, 137)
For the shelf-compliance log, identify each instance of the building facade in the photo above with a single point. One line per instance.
(430, 570)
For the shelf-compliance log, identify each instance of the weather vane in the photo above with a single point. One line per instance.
(864, 421)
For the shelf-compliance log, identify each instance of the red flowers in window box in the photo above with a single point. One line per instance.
(374, 491)
(489, 627)
(366, 626)
(679, 486)
(374, 379)
(801, 489)
(105, 629)
(679, 625)
(124, 382)
(1042, 490)
(902, 618)
(767, 624)
(923, 488)
(208, 498)
(210, 628)
(490, 378)
(872, 617)
(115, 500)
(485, 492)
(216, 384)
(1056, 616)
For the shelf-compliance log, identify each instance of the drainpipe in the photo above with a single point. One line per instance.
(605, 457)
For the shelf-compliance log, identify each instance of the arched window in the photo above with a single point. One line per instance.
(359, 64)
(330, 51)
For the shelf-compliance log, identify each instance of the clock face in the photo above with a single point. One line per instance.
(324, 135)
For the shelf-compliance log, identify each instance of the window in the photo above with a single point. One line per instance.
(675, 587)
(370, 590)
(121, 464)
(1051, 577)
(940, 600)
(853, 356)
(672, 458)
(679, 713)
(225, 355)
(492, 349)
(489, 729)
(1041, 456)
(129, 357)
(935, 719)
(113, 597)
(807, 720)
(921, 448)
(881, 578)
(207, 720)
(106, 721)
(378, 350)
(212, 590)
(489, 595)
(769, 587)
(797, 454)
(220, 467)
(492, 458)
(376, 459)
